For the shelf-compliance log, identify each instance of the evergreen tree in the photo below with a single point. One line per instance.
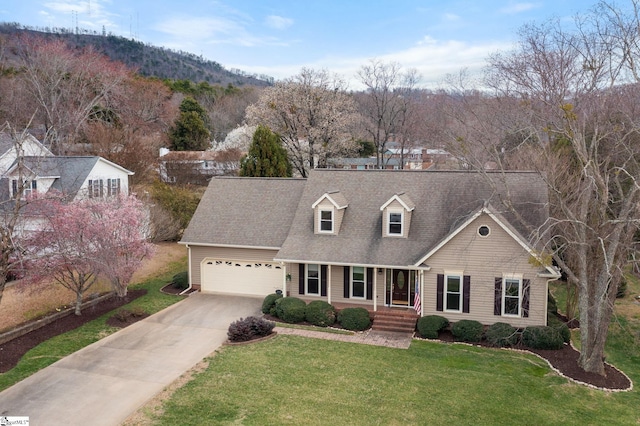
(189, 132)
(267, 157)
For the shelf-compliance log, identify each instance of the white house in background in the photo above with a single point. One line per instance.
(32, 169)
(197, 167)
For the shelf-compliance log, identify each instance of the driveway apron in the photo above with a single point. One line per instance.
(107, 381)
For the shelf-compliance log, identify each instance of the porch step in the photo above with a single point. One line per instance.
(401, 321)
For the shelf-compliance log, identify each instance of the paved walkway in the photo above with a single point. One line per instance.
(369, 337)
(105, 382)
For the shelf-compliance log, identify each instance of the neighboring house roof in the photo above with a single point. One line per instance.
(69, 172)
(190, 156)
(245, 212)
(276, 213)
(443, 201)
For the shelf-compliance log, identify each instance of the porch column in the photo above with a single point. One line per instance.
(284, 279)
(421, 284)
(375, 289)
(329, 284)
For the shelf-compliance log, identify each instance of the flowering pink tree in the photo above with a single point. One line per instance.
(83, 240)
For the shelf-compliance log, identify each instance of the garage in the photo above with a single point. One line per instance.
(241, 277)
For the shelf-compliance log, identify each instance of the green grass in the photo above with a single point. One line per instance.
(294, 380)
(54, 349)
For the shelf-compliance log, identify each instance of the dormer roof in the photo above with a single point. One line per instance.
(403, 199)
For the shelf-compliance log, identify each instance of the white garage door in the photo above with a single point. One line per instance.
(241, 277)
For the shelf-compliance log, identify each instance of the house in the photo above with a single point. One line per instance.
(358, 163)
(373, 238)
(197, 167)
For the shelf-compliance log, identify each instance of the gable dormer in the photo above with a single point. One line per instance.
(396, 216)
(328, 212)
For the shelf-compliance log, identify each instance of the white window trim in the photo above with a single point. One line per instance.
(511, 277)
(402, 215)
(364, 283)
(306, 280)
(333, 220)
(445, 291)
(484, 226)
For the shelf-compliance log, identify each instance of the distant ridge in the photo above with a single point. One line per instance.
(148, 60)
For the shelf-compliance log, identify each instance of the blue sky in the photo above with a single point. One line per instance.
(279, 37)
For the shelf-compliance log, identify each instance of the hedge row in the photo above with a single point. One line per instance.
(318, 312)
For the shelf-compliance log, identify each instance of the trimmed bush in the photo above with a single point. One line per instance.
(501, 335)
(249, 328)
(467, 330)
(320, 313)
(542, 337)
(180, 280)
(355, 319)
(561, 327)
(269, 302)
(431, 325)
(290, 309)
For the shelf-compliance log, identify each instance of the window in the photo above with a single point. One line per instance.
(395, 223)
(511, 291)
(313, 280)
(326, 221)
(95, 188)
(358, 284)
(453, 293)
(29, 187)
(113, 187)
(484, 231)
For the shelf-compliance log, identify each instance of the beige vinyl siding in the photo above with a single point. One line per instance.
(484, 259)
(337, 287)
(199, 253)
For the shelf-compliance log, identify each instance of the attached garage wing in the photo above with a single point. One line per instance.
(241, 277)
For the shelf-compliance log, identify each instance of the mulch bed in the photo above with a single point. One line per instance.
(12, 351)
(565, 361)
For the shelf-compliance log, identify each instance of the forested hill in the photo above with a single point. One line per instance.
(148, 60)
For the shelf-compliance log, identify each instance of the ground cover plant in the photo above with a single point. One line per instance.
(295, 380)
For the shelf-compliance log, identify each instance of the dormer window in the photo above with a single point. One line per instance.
(396, 216)
(328, 212)
(395, 223)
(326, 220)
(29, 187)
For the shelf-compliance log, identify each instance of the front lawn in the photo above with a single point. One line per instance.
(296, 380)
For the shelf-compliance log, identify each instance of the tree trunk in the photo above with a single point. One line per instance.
(78, 310)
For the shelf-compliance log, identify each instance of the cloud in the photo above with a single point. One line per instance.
(514, 8)
(278, 22)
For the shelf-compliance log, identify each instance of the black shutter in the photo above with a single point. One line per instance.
(439, 292)
(14, 188)
(526, 289)
(466, 290)
(347, 281)
(301, 278)
(323, 280)
(497, 297)
(369, 283)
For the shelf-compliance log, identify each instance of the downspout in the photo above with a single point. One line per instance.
(188, 289)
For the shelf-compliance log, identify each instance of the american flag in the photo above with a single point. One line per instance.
(416, 299)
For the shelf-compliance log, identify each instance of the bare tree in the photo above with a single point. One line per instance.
(385, 105)
(313, 115)
(574, 106)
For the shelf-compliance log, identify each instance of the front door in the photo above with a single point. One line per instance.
(400, 293)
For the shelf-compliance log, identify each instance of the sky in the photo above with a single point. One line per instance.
(279, 37)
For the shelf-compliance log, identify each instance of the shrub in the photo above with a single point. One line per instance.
(501, 334)
(467, 330)
(431, 325)
(622, 288)
(249, 328)
(290, 309)
(542, 337)
(356, 319)
(320, 313)
(269, 302)
(180, 280)
(125, 315)
(561, 327)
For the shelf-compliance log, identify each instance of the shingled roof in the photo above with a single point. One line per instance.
(245, 212)
(276, 213)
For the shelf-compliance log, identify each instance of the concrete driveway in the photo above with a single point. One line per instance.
(107, 381)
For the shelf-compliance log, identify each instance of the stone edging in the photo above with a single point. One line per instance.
(34, 325)
(261, 339)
